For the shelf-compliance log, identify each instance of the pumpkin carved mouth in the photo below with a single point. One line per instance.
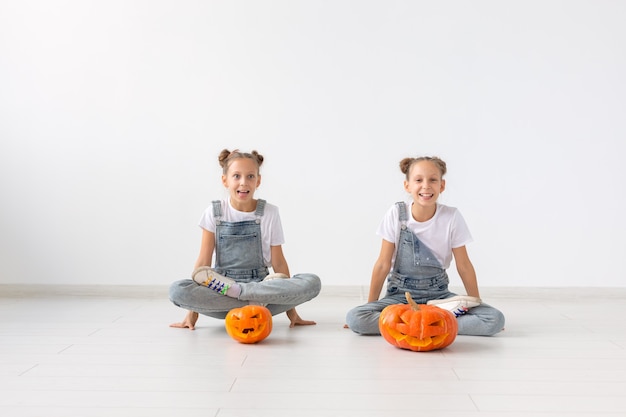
(421, 341)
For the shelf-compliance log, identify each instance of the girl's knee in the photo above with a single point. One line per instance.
(175, 291)
(313, 281)
(495, 321)
(179, 291)
(498, 323)
(351, 321)
(360, 324)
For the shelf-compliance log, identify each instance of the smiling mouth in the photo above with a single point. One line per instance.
(426, 195)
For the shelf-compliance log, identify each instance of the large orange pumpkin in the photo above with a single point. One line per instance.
(249, 324)
(417, 327)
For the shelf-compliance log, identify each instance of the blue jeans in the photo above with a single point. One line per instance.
(279, 295)
(483, 320)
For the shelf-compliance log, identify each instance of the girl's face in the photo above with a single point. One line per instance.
(242, 180)
(424, 183)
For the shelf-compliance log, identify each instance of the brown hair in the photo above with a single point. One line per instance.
(226, 157)
(407, 163)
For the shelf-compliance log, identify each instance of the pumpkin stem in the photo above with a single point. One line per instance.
(413, 304)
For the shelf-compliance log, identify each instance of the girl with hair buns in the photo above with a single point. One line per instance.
(246, 236)
(420, 237)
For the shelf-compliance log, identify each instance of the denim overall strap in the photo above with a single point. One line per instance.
(238, 247)
(402, 217)
(260, 208)
(416, 269)
(217, 209)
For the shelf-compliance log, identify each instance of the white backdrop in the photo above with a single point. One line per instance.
(112, 114)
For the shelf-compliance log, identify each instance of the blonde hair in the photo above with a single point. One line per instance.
(226, 157)
(407, 163)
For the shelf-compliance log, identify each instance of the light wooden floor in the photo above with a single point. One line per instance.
(108, 351)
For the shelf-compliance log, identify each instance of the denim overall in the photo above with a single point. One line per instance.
(418, 271)
(238, 246)
(239, 255)
(416, 268)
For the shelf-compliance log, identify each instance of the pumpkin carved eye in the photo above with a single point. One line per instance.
(417, 327)
(248, 324)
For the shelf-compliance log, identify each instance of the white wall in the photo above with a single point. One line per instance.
(112, 114)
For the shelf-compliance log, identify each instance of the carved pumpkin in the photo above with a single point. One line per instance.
(249, 324)
(417, 327)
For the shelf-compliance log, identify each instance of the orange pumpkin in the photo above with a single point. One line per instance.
(417, 327)
(249, 324)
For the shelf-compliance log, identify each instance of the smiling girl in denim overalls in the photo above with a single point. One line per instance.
(246, 235)
(420, 238)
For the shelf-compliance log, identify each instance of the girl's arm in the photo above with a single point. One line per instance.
(466, 271)
(207, 246)
(279, 265)
(381, 270)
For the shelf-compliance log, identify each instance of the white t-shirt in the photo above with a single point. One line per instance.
(445, 230)
(271, 227)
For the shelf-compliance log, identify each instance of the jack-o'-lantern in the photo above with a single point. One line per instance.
(249, 324)
(417, 327)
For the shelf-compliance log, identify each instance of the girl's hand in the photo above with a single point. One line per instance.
(295, 319)
(189, 322)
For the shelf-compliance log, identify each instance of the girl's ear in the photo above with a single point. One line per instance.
(443, 186)
(224, 181)
(258, 181)
(406, 186)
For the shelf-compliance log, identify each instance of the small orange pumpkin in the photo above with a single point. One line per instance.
(417, 327)
(249, 324)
